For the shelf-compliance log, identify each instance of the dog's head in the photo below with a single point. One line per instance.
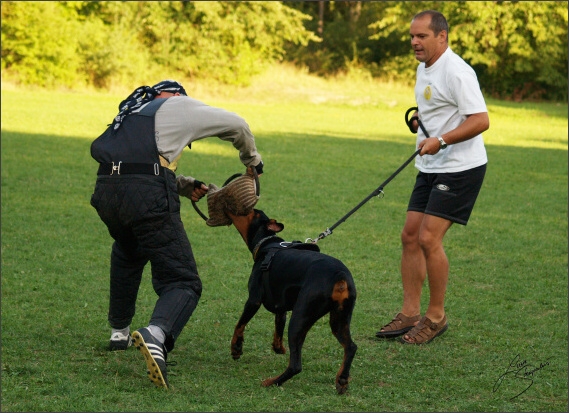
(255, 226)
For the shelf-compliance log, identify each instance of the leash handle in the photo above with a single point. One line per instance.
(409, 122)
(200, 213)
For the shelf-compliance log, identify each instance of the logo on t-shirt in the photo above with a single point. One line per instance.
(427, 93)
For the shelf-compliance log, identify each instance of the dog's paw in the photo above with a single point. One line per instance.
(278, 346)
(236, 346)
(342, 385)
(236, 352)
(268, 382)
(279, 349)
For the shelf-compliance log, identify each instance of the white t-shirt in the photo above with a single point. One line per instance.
(445, 93)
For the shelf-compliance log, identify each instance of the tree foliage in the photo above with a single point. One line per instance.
(105, 43)
(518, 49)
(34, 42)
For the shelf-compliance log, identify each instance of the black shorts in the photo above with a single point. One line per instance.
(447, 195)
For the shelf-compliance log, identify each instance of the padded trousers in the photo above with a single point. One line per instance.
(142, 215)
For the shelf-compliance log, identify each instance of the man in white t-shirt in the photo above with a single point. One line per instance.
(452, 165)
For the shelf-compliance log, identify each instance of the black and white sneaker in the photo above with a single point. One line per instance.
(120, 342)
(155, 355)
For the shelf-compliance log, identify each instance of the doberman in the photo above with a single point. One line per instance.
(294, 276)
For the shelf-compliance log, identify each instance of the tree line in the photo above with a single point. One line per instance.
(518, 48)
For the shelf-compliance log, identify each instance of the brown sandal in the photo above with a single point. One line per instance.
(425, 331)
(398, 326)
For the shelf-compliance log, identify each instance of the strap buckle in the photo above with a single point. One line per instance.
(156, 169)
(116, 168)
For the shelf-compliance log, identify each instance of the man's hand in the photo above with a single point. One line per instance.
(191, 188)
(414, 122)
(200, 189)
(429, 146)
(259, 168)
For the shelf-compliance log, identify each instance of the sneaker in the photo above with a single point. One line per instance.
(120, 342)
(155, 355)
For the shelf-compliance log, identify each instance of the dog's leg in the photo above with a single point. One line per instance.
(249, 311)
(300, 322)
(340, 318)
(280, 322)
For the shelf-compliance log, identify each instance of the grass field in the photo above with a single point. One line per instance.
(326, 146)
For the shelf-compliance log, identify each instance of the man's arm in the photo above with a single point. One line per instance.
(473, 126)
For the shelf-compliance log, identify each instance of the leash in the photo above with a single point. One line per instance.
(376, 192)
(379, 189)
(409, 122)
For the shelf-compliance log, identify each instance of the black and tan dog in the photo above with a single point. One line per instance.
(297, 277)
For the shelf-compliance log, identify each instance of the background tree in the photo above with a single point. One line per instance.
(518, 49)
(107, 43)
(343, 28)
(38, 44)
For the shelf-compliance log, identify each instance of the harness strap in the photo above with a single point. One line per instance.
(273, 249)
(265, 268)
(261, 243)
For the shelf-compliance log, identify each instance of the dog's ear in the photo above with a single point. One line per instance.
(274, 226)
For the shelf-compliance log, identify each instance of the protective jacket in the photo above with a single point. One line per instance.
(133, 142)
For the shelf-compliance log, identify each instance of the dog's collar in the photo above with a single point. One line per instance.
(261, 243)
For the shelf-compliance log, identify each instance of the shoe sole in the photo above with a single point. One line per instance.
(120, 345)
(428, 341)
(393, 334)
(117, 347)
(154, 372)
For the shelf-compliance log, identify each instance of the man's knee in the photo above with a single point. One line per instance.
(409, 239)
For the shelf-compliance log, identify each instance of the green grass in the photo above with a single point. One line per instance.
(326, 146)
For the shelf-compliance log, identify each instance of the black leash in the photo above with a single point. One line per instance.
(379, 189)
(409, 122)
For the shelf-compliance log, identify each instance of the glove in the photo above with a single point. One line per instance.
(190, 187)
(185, 185)
(259, 168)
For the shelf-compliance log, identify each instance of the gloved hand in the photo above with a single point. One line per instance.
(191, 188)
(259, 168)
